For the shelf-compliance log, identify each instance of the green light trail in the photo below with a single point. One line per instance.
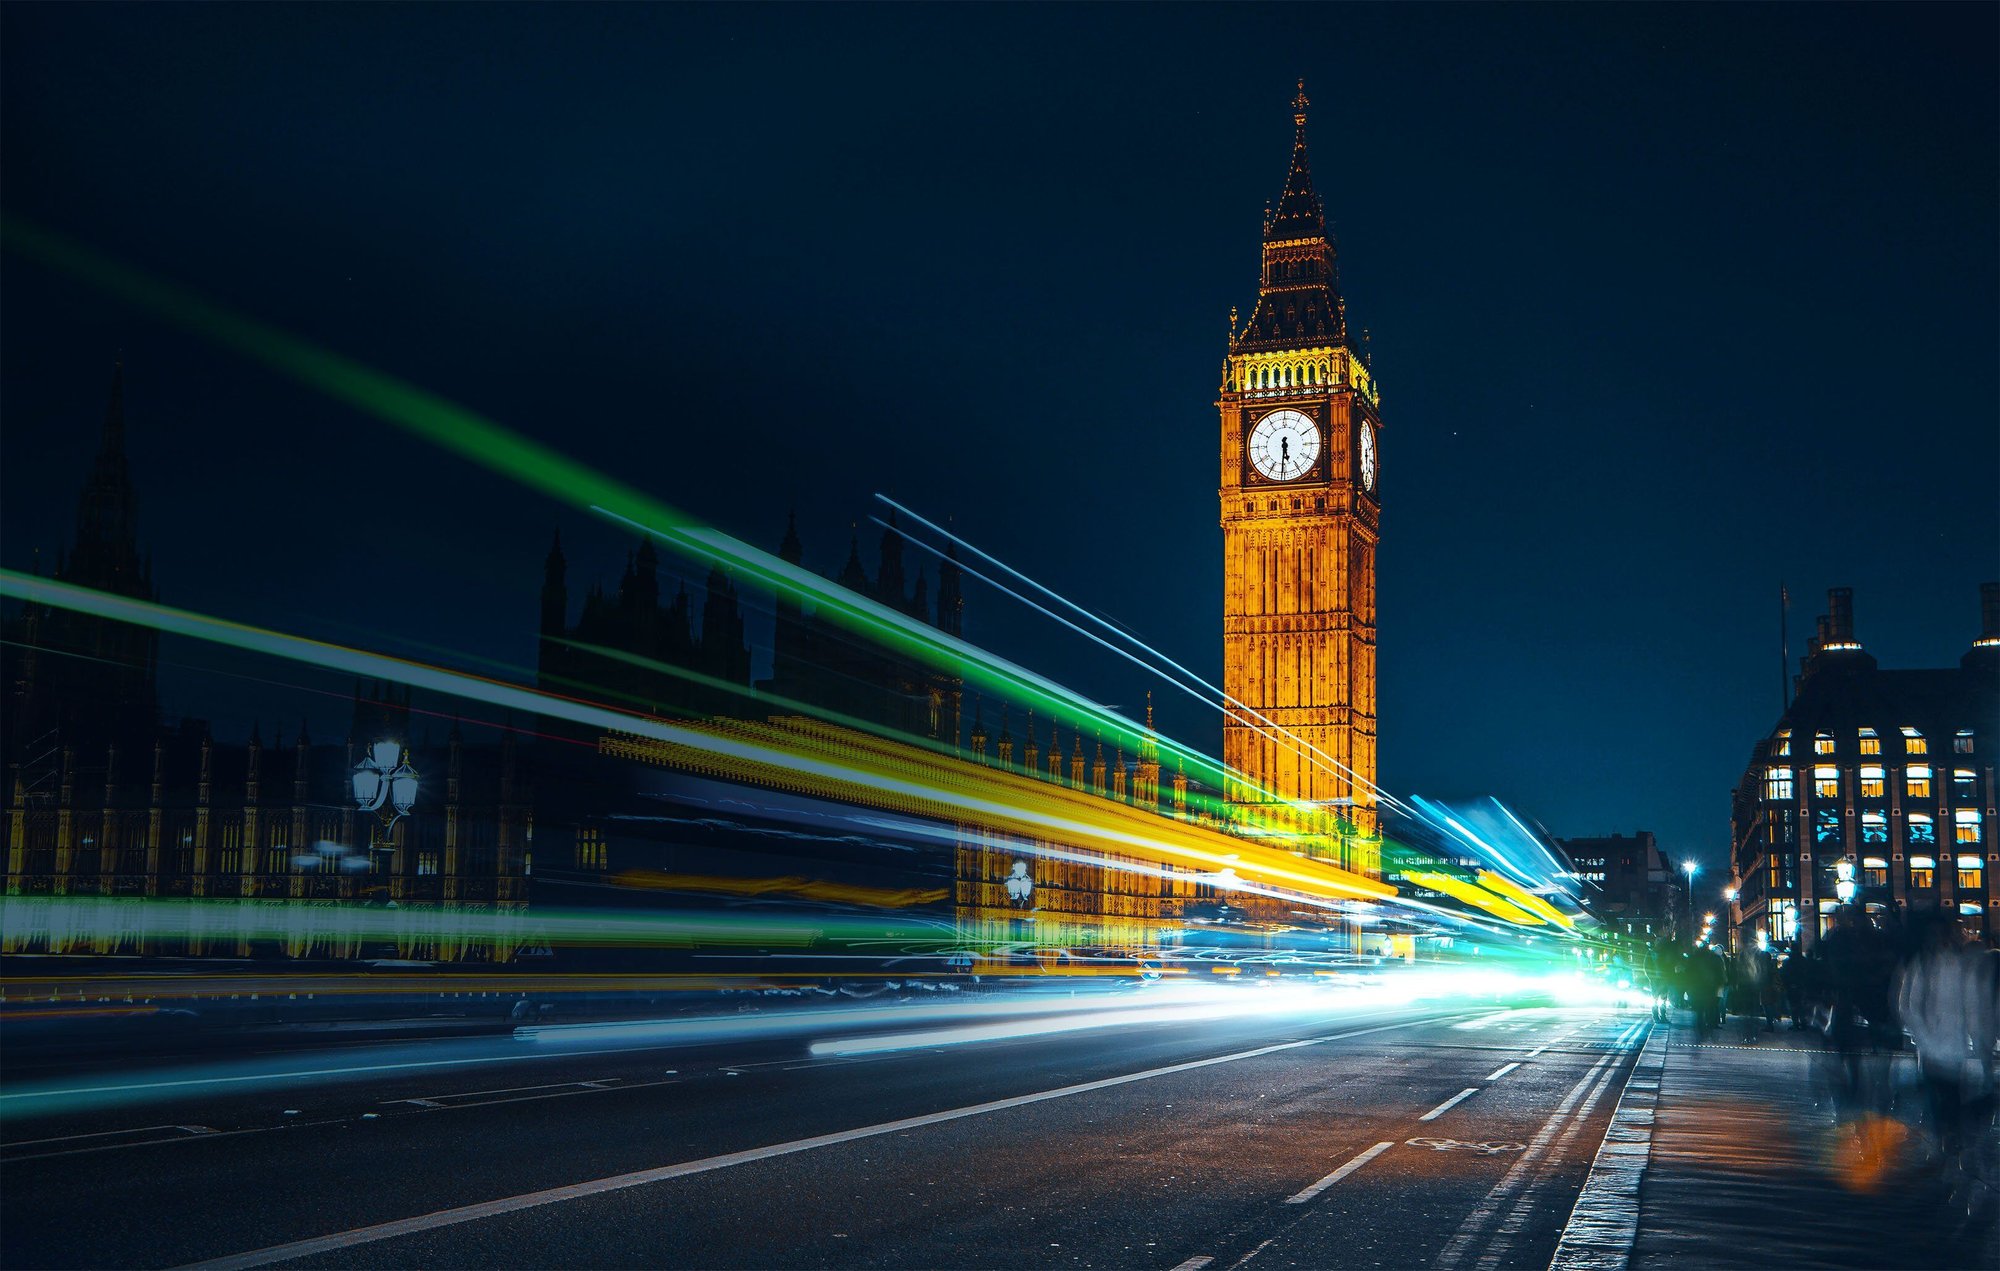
(472, 436)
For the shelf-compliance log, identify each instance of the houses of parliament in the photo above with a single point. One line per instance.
(107, 800)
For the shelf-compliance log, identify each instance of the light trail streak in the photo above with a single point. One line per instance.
(946, 803)
(1020, 1030)
(174, 918)
(1206, 765)
(963, 793)
(1508, 901)
(471, 436)
(1230, 706)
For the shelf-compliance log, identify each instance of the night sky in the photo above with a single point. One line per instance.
(1668, 306)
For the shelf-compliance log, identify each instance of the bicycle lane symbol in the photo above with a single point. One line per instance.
(1459, 1145)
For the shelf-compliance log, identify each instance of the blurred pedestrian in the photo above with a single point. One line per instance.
(1860, 967)
(1949, 1002)
(1795, 976)
(1707, 980)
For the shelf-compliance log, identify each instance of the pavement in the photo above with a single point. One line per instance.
(1734, 1151)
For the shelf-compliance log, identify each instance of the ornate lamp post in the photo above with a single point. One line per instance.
(386, 785)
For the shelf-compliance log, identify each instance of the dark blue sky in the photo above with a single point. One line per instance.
(1669, 305)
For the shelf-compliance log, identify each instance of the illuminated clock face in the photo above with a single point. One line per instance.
(1284, 445)
(1367, 447)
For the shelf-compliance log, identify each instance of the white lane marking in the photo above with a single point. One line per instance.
(523, 1057)
(1195, 1263)
(105, 1134)
(638, 1178)
(474, 1094)
(1488, 1209)
(1449, 1104)
(1338, 1174)
(311, 1072)
(1527, 1204)
(1605, 1220)
(564, 1092)
(1502, 1070)
(1253, 1253)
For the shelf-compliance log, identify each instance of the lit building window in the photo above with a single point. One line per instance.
(1822, 743)
(1917, 781)
(1923, 871)
(1872, 783)
(1826, 826)
(1965, 822)
(1923, 831)
(1874, 872)
(1964, 784)
(1969, 909)
(1962, 743)
(1970, 870)
(1781, 744)
(1914, 743)
(1874, 827)
(1826, 781)
(1871, 742)
(1778, 784)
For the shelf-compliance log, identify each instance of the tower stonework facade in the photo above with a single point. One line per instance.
(1301, 523)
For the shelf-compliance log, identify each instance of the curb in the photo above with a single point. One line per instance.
(1605, 1223)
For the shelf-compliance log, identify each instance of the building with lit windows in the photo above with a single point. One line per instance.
(1627, 884)
(1876, 788)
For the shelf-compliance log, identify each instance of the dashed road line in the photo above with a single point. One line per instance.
(1195, 1263)
(1605, 1220)
(1336, 1176)
(1488, 1211)
(1502, 1071)
(1449, 1104)
(618, 1182)
(1525, 1207)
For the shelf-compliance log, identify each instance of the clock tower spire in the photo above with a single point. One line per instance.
(1300, 525)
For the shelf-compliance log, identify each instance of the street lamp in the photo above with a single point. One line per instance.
(386, 785)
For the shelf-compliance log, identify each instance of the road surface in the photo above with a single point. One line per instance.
(1449, 1136)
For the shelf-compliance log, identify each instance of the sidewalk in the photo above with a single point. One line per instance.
(1728, 1155)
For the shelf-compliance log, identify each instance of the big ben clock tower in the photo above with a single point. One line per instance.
(1301, 521)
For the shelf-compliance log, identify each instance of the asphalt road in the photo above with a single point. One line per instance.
(1455, 1137)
